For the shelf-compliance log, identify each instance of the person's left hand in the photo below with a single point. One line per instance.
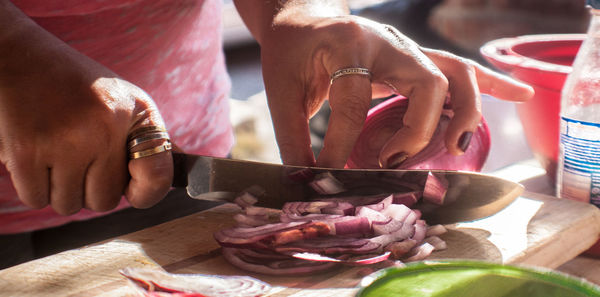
(301, 53)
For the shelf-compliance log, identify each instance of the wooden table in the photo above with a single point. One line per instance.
(535, 230)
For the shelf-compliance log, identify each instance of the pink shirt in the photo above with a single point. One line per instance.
(170, 48)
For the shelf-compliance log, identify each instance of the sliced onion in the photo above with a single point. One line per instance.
(154, 280)
(362, 260)
(386, 118)
(435, 189)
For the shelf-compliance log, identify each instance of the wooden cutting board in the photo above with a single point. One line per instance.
(535, 230)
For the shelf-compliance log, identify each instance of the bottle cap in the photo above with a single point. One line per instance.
(595, 4)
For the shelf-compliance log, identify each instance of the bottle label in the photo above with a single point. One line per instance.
(579, 168)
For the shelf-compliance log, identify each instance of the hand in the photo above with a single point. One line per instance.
(301, 52)
(64, 121)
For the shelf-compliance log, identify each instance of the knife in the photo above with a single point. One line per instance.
(469, 195)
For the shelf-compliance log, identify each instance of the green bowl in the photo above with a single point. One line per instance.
(473, 279)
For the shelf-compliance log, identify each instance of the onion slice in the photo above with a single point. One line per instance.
(369, 259)
(148, 281)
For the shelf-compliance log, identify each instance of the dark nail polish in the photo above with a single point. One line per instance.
(396, 160)
(464, 141)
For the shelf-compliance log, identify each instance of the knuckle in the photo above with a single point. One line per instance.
(69, 210)
(469, 112)
(19, 157)
(348, 27)
(286, 144)
(66, 202)
(107, 203)
(34, 200)
(420, 135)
(349, 32)
(465, 66)
(438, 81)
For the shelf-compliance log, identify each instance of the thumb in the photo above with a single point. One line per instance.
(150, 161)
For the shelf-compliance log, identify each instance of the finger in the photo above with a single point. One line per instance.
(349, 98)
(66, 186)
(151, 176)
(105, 182)
(488, 81)
(30, 178)
(502, 86)
(290, 123)
(466, 101)
(426, 100)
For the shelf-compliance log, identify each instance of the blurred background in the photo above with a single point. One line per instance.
(458, 26)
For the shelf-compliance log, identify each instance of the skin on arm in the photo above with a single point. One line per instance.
(64, 121)
(304, 42)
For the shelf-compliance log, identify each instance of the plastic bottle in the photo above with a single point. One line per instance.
(578, 174)
(579, 160)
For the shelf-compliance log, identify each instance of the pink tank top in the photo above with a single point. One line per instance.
(170, 48)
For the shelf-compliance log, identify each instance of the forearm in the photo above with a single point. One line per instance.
(19, 36)
(260, 16)
(28, 53)
(12, 20)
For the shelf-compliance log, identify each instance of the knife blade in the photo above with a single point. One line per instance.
(469, 195)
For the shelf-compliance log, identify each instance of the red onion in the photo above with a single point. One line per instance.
(386, 118)
(435, 189)
(311, 236)
(154, 282)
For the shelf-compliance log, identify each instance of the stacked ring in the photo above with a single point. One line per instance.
(151, 151)
(145, 138)
(146, 134)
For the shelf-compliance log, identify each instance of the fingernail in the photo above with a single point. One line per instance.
(464, 141)
(396, 160)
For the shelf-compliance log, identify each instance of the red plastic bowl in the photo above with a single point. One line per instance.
(542, 61)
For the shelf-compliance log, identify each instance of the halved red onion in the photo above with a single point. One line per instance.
(386, 118)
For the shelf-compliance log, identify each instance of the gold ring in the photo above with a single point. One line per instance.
(145, 130)
(145, 138)
(349, 71)
(152, 151)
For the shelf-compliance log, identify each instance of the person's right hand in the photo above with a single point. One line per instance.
(64, 122)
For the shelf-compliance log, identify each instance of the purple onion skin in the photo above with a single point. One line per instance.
(386, 118)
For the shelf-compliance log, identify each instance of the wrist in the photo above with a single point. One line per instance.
(294, 17)
(263, 18)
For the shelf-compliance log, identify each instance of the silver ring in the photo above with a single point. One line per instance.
(148, 137)
(349, 71)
